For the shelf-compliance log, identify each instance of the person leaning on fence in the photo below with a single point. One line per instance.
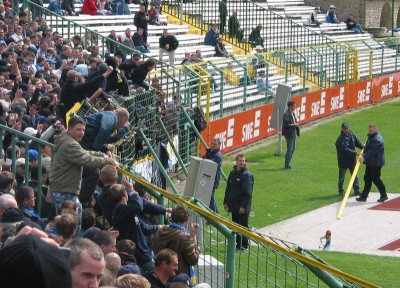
(168, 44)
(68, 162)
(353, 25)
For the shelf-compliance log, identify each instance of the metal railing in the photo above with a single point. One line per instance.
(278, 32)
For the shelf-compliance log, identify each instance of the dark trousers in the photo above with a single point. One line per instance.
(243, 220)
(373, 174)
(342, 174)
(90, 178)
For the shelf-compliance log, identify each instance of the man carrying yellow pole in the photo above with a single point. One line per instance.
(346, 145)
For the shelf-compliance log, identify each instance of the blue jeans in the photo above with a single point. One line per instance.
(357, 28)
(213, 204)
(127, 10)
(142, 49)
(59, 197)
(342, 174)
(291, 147)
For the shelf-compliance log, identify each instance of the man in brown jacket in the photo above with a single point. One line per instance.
(176, 238)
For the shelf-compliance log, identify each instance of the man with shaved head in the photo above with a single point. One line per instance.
(98, 134)
(113, 263)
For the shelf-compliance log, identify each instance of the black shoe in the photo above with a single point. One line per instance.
(341, 193)
(361, 199)
(357, 193)
(382, 199)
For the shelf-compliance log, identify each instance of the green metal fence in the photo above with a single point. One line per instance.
(277, 31)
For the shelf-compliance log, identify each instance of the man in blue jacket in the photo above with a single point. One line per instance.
(211, 36)
(346, 145)
(373, 158)
(99, 132)
(214, 154)
(238, 197)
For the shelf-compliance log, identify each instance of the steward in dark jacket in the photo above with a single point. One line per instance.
(238, 197)
(346, 149)
(239, 190)
(374, 151)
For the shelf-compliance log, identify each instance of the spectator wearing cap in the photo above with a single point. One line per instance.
(166, 267)
(47, 266)
(346, 145)
(130, 65)
(12, 216)
(33, 157)
(182, 278)
(139, 43)
(74, 92)
(331, 15)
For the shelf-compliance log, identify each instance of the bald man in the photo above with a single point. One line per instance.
(113, 263)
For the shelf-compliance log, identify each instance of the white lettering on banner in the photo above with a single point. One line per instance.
(364, 95)
(318, 107)
(300, 112)
(269, 124)
(252, 129)
(227, 135)
(387, 89)
(338, 101)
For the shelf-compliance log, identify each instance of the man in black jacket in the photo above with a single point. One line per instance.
(290, 129)
(168, 44)
(238, 197)
(74, 92)
(141, 20)
(346, 145)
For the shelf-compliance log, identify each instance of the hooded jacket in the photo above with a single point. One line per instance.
(179, 242)
(68, 162)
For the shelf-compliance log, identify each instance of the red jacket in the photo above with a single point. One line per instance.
(89, 7)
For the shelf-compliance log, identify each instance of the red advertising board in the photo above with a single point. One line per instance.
(250, 126)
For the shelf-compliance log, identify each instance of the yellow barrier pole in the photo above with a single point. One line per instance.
(291, 252)
(346, 195)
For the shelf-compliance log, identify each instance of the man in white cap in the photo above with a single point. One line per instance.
(331, 15)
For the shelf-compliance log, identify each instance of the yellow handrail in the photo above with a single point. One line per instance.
(256, 237)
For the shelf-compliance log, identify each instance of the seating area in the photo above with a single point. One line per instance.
(231, 99)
